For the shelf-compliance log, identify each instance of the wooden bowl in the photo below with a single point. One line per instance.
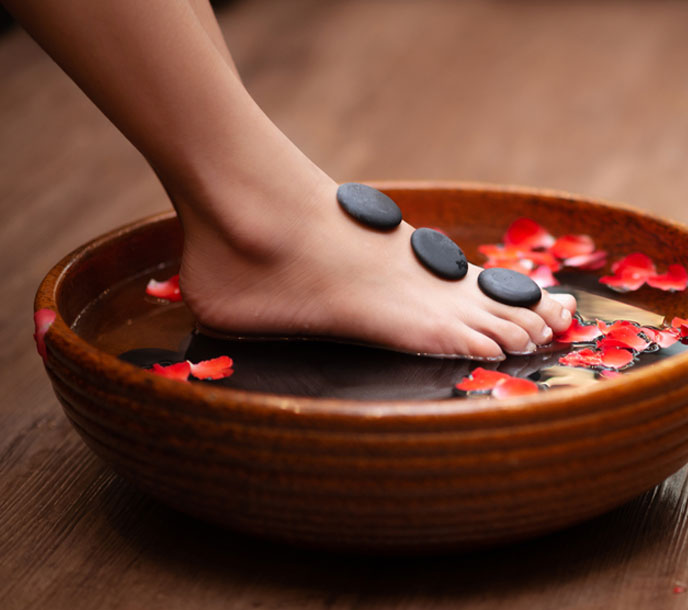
(374, 475)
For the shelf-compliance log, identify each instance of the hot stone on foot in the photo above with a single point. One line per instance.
(509, 287)
(439, 254)
(369, 206)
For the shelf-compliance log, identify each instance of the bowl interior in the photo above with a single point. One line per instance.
(91, 302)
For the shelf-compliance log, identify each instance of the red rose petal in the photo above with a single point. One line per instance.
(500, 251)
(543, 258)
(481, 380)
(217, 368)
(636, 264)
(179, 370)
(515, 386)
(169, 289)
(675, 279)
(579, 333)
(42, 320)
(621, 283)
(588, 262)
(624, 337)
(678, 322)
(662, 337)
(522, 266)
(617, 325)
(543, 277)
(609, 374)
(568, 246)
(615, 358)
(586, 358)
(630, 273)
(527, 233)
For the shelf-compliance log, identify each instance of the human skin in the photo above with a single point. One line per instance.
(267, 250)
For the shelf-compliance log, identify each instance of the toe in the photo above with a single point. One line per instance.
(513, 338)
(479, 345)
(536, 327)
(556, 312)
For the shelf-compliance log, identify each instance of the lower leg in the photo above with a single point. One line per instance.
(267, 249)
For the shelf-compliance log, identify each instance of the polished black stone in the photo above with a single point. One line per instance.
(369, 206)
(509, 287)
(439, 254)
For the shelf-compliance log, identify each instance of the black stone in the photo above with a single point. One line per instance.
(369, 206)
(439, 254)
(509, 287)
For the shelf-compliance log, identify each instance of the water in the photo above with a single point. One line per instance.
(124, 321)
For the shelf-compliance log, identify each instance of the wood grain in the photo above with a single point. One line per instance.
(587, 97)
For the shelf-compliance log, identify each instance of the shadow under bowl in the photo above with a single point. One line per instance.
(383, 476)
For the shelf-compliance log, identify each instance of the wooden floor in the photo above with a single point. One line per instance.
(584, 96)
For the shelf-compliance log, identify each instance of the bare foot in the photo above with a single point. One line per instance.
(320, 273)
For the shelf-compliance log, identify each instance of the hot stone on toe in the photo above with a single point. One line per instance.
(369, 206)
(439, 254)
(509, 287)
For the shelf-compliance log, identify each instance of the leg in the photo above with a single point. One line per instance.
(206, 16)
(267, 249)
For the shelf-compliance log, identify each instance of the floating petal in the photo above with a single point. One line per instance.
(568, 246)
(636, 264)
(169, 289)
(586, 358)
(543, 277)
(481, 380)
(216, 368)
(630, 273)
(528, 234)
(515, 386)
(615, 358)
(665, 337)
(579, 333)
(587, 262)
(624, 337)
(675, 279)
(179, 370)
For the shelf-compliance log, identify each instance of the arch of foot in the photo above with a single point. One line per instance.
(434, 250)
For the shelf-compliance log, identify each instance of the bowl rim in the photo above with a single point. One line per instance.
(60, 338)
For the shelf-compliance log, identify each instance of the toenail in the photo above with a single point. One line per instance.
(547, 334)
(566, 315)
(531, 347)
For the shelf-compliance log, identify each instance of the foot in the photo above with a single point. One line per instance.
(317, 272)
(268, 251)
